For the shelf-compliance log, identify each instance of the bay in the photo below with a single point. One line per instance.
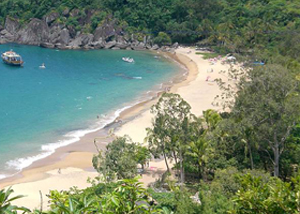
(43, 109)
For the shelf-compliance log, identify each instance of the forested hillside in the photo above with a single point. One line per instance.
(231, 25)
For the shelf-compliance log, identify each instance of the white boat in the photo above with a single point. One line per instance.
(12, 58)
(42, 66)
(128, 59)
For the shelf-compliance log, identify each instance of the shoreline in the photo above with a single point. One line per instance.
(80, 146)
(77, 157)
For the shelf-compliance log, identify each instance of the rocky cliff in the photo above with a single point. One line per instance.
(49, 33)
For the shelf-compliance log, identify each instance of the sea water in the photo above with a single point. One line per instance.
(42, 109)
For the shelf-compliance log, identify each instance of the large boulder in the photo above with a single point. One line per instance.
(64, 37)
(55, 32)
(36, 32)
(72, 31)
(12, 26)
(107, 29)
(97, 44)
(51, 17)
(122, 45)
(6, 36)
(60, 46)
(87, 39)
(175, 45)
(155, 47)
(110, 44)
(139, 46)
(47, 45)
(81, 41)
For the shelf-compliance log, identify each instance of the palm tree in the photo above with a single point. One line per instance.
(198, 150)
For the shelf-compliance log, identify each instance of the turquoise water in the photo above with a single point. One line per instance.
(43, 109)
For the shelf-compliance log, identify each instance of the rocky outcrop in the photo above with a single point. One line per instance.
(47, 45)
(82, 40)
(6, 36)
(110, 44)
(64, 37)
(175, 45)
(36, 32)
(107, 29)
(48, 33)
(12, 26)
(139, 46)
(155, 47)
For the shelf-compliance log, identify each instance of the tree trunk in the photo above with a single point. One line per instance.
(276, 160)
(176, 163)
(250, 154)
(175, 157)
(181, 169)
(166, 162)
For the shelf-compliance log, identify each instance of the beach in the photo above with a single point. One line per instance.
(72, 165)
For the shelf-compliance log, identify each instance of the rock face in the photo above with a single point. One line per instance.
(48, 33)
(64, 37)
(34, 33)
(11, 25)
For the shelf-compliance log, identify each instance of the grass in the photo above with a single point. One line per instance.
(208, 55)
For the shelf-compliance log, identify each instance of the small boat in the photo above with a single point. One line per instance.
(12, 58)
(128, 59)
(42, 66)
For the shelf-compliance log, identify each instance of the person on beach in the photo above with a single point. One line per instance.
(59, 171)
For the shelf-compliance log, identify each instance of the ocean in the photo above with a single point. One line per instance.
(44, 109)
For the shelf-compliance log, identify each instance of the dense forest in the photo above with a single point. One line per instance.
(238, 26)
(245, 160)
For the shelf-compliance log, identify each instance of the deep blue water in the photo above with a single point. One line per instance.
(43, 109)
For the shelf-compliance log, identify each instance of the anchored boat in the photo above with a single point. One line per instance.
(128, 59)
(12, 58)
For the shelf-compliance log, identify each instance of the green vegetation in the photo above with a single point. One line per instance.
(120, 159)
(243, 160)
(236, 26)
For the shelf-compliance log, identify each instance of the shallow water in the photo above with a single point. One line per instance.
(43, 109)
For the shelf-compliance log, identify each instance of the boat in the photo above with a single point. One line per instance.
(12, 58)
(42, 66)
(128, 59)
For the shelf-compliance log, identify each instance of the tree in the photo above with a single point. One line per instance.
(171, 130)
(272, 196)
(118, 160)
(267, 98)
(162, 39)
(142, 155)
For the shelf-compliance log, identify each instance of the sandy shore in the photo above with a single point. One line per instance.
(76, 160)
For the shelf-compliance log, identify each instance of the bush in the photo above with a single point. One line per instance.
(162, 39)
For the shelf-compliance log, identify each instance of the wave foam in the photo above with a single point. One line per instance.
(71, 137)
